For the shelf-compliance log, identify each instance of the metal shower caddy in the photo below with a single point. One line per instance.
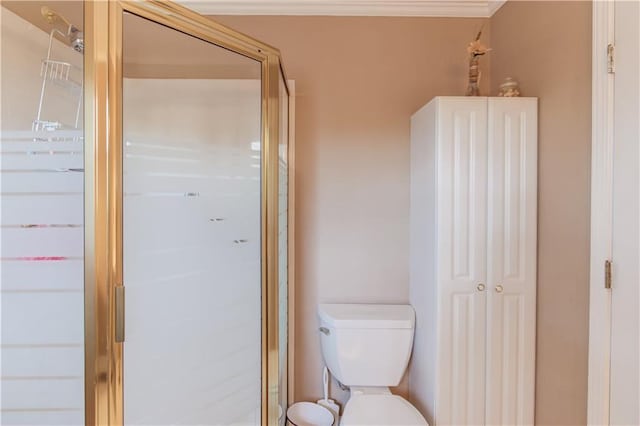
(60, 73)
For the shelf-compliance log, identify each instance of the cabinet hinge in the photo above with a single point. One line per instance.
(607, 274)
(611, 65)
(119, 313)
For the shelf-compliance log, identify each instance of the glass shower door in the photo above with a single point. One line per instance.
(283, 245)
(42, 204)
(191, 229)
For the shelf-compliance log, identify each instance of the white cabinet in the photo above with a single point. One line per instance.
(473, 260)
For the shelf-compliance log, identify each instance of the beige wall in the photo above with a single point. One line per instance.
(358, 81)
(546, 46)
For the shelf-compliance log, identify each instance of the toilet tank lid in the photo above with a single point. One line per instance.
(366, 316)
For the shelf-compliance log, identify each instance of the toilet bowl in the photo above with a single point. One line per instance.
(374, 409)
(367, 348)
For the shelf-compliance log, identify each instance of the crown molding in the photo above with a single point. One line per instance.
(433, 8)
(494, 6)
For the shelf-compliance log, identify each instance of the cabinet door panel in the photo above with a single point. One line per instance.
(511, 273)
(462, 260)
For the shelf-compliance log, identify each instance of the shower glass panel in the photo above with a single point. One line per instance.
(283, 247)
(42, 196)
(191, 229)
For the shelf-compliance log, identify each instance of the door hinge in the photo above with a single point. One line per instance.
(611, 65)
(119, 313)
(607, 274)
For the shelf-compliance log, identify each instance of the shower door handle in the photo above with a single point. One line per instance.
(119, 311)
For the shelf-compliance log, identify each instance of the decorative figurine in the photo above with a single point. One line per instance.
(475, 49)
(509, 89)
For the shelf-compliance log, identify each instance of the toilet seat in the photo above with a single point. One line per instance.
(381, 410)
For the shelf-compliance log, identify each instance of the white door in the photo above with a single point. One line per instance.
(625, 396)
(511, 274)
(462, 266)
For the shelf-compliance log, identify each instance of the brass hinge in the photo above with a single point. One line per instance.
(611, 66)
(119, 302)
(607, 274)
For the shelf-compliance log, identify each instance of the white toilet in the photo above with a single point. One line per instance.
(367, 347)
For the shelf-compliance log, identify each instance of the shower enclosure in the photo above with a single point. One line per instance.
(145, 218)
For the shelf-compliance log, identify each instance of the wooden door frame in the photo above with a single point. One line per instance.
(601, 214)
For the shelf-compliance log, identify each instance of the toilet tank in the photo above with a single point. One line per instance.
(366, 345)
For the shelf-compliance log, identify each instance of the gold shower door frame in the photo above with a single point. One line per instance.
(104, 198)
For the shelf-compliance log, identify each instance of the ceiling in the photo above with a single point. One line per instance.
(434, 8)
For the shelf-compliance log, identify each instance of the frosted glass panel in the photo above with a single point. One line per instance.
(191, 123)
(283, 255)
(41, 231)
